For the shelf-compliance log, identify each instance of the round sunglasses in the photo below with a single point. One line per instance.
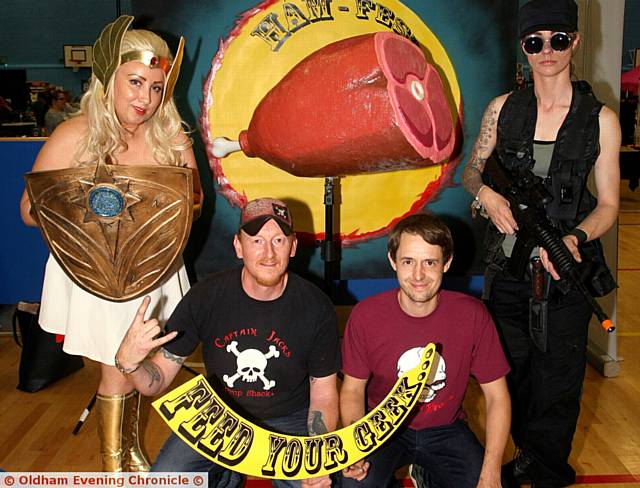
(535, 44)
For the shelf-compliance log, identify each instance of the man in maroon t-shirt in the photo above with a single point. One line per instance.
(384, 338)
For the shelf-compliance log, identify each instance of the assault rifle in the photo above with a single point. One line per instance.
(527, 198)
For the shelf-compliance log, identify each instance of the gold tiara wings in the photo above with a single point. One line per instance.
(107, 58)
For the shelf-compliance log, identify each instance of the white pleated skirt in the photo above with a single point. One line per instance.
(94, 327)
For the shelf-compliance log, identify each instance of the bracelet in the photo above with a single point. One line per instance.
(125, 370)
(477, 198)
(578, 234)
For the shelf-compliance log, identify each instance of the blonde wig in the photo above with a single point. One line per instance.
(166, 133)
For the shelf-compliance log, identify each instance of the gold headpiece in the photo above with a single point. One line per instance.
(148, 58)
(107, 58)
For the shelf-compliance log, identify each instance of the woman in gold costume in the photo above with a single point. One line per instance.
(127, 117)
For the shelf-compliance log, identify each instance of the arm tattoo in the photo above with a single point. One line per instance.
(472, 173)
(173, 357)
(315, 423)
(152, 372)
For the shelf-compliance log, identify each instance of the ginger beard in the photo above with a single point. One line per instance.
(265, 255)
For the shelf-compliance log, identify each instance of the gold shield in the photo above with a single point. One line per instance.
(115, 230)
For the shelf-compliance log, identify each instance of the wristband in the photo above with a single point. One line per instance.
(578, 234)
(125, 370)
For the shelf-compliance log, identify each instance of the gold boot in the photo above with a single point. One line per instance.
(137, 461)
(110, 410)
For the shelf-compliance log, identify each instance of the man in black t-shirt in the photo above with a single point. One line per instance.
(269, 342)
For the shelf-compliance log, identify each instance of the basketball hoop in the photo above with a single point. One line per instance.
(76, 57)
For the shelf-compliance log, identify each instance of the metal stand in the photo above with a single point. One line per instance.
(330, 250)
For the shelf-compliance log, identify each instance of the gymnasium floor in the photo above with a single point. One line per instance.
(36, 429)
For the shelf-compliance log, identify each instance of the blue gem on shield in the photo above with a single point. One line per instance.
(106, 201)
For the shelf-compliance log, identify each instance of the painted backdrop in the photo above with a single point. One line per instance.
(471, 44)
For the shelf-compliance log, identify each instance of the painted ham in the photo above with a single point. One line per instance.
(365, 104)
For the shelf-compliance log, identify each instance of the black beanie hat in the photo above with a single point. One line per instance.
(551, 15)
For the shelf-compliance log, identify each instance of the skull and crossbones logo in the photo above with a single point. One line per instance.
(281, 211)
(410, 359)
(251, 364)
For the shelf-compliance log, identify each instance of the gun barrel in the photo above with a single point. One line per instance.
(564, 262)
(605, 320)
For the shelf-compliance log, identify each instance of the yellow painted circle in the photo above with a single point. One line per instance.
(247, 66)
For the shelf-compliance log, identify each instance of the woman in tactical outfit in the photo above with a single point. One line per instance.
(127, 117)
(558, 130)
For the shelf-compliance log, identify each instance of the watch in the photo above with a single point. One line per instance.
(125, 370)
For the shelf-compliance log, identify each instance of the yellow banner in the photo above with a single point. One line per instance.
(201, 419)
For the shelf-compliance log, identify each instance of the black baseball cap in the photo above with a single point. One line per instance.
(549, 15)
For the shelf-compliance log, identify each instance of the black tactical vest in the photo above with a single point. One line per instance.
(575, 152)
